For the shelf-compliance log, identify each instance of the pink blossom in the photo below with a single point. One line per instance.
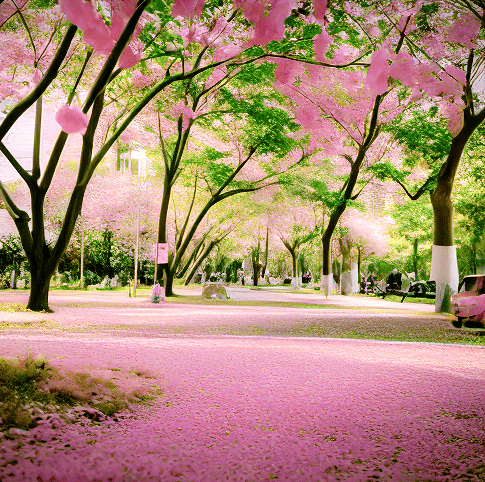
(449, 84)
(117, 25)
(84, 15)
(124, 8)
(37, 76)
(403, 68)
(320, 7)
(187, 8)
(98, 36)
(227, 51)
(272, 26)
(128, 58)
(320, 45)
(72, 119)
(465, 30)
(378, 74)
(79, 12)
(454, 115)
(456, 73)
(139, 80)
(253, 9)
(287, 70)
(217, 74)
(308, 115)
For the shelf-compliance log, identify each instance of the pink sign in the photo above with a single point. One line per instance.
(160, 253)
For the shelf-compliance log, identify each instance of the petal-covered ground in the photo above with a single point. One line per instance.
(261, 408)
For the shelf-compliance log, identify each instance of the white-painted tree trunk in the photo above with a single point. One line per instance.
(327, 284)
(444, 271)
(346, 283)
(296, 282)
(354, 272)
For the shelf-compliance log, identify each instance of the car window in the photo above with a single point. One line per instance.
(470, 283)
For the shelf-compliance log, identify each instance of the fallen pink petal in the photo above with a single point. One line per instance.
(250, 408)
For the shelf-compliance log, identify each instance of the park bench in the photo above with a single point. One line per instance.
(383, 289)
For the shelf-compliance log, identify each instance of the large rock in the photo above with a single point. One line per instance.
(214, 292)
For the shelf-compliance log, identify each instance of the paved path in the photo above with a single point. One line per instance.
(236, 293)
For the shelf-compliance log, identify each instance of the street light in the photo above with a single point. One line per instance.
(137, 154)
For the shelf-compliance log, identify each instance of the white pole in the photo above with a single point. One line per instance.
(137, 242)
(156, 263)
(82, 257)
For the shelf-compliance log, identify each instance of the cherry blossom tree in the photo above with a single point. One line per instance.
(95, 70)
(440, 59)
(345, 111)
(263, 151)
(361, 235)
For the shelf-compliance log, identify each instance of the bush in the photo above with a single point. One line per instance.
(5, 280)
(91, 278)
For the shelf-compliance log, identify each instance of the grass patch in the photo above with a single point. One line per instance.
(13, 307)
(411, 299)
(9, 325)
(31, 388)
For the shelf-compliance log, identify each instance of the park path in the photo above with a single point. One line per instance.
(256, 408)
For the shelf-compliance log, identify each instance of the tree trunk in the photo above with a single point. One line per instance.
(165, 272)
(256, 265)
(40, 278)
(359, 262)
(442, 217)
(444, 266)
(266, 250)
(294, 263)
(166, 278)
(327, 278)
(199, 261)
(346, 276)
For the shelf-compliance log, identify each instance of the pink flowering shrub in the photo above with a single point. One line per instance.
(158, 294)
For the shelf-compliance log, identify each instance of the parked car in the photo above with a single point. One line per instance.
(469, 305)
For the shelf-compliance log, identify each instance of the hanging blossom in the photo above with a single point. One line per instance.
(465, 30)
(96, 32)
(378, 74)
(187, 8)
(184, 111)
(320, 7)
(269, 24)
(217, 74)
(422, 78)
(72, 119)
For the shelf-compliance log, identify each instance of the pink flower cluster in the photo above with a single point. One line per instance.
(96, 32)
(72, 119)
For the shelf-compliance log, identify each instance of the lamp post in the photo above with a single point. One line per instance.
(139, 155)
(82, 256)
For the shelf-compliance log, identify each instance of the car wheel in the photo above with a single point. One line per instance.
(458, 322)
(473, 324)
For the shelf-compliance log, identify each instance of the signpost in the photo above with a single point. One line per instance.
(159, 255)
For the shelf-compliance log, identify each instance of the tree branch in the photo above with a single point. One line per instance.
(40, 88)
(21, 171)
